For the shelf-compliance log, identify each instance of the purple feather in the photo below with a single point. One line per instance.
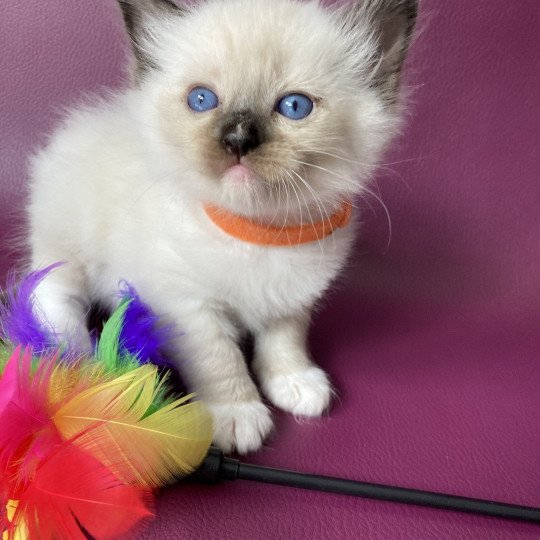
(142, 333)
(18, 320)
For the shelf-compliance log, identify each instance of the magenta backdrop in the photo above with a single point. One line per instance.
(432, 343)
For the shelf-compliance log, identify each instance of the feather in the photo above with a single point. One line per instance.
(11, 532)
(82, 440)
(109, 350)
(8, 381)
(142, 335)
(139, 443)
(21, 322)
(6, 513)
(133, 332)
(5, 353)
(29, 443)
(69, 379)
(72, 494)
(24, 414)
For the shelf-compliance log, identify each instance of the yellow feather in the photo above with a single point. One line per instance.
(147, 449)
(73, 378)
(21, 532)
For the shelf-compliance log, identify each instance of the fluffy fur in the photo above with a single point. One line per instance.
(118, 193)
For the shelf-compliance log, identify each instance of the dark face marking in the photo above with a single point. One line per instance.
(393, 22)
(133, 13)
(241, 132)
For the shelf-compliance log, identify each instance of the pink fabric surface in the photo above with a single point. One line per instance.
(433, 342)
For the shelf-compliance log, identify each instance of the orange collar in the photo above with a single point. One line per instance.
(253, 232)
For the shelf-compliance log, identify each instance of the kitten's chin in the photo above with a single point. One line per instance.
(239, 175)
(241, 190)
(241, 183)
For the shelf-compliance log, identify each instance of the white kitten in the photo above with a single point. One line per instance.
(273, 111)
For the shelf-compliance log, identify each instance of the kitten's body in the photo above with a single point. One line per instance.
(119, 194)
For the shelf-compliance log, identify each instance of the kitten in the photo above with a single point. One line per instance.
(245, 118)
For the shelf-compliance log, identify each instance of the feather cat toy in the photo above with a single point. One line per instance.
(85, 440)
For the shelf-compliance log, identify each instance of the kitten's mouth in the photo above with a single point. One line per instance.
(239, 174)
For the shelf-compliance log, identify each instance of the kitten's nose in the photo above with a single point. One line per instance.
(238, 144)
(241, 134)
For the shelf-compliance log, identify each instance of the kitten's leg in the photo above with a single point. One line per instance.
(60, 298)
(214, 367)
(287, 375)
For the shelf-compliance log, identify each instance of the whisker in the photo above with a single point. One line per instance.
(321, 245)
(333, 173)
(366, 190)
(387, 212)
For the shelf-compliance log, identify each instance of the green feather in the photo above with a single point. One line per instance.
(109, 342)
(109, 346)
(5, 353)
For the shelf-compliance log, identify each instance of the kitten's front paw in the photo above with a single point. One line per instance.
(303, 393)
(240, 426)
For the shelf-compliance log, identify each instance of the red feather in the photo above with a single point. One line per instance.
(73, 493)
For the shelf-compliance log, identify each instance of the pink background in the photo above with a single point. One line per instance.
(432, 343)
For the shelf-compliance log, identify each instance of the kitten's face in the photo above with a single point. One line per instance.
(270, 104)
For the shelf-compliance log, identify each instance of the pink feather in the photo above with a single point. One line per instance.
(24, 416)
(8, 381)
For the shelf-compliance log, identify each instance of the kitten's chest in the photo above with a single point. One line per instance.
(261, 282)
(275, 282)
(190, 258)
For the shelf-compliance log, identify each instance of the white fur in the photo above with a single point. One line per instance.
(118, 194)
(303, 393)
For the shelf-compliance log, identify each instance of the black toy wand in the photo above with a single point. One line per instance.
(217, 467)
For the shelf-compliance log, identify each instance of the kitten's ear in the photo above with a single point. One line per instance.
(138, 17)
(392, 23)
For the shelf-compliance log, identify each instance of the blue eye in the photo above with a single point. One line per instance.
(202, 99)
(295, 106)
